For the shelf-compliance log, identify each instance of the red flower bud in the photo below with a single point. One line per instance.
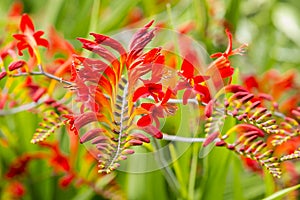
(16, 65)
(2, 74)
(209, 108)
(141, 137)
(210, 138)
(38, 94)
(91, 134)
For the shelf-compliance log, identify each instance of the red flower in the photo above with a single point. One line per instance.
(149, 89)
(251, 83)
(66, 180)
(16, 9)
(18, 167)
(140, 39)
(275, 87)
(57, 159)
(58, 44)
(252, 165)
(191, 83)
(29, 38)
(16, 189)
(222, 63)
(158, 110)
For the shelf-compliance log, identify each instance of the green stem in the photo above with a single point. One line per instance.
(193, 172)
(168, 173)
(93, 23)
(178, 171)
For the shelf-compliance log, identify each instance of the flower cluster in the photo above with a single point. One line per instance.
(124, 93)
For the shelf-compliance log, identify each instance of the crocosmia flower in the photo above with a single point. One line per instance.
(193, 84)
(157, 110)
(222, 63)
(29, 38)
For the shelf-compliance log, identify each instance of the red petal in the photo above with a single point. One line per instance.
(89, 62)
(38, 34)
(138, 36)
(153, 87)
(20, 37)
(251, 82)
(26, 22)
(167, 96)
(142, 91)
(147, 106)
(40, 41)
(60, 162)
(151, 55)
(229, 46)
(140, 39)
(73, 73)
(201, 89)
(149, 24)
(226, 72)
(187, 69)
(152, 130)
(101, 51)
(88, 44)
(216, 55)
(200, 79)
(105, 40)
(144, 121)
(66, 180)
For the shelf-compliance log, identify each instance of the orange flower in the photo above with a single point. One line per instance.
(29, 38)
(222, 63)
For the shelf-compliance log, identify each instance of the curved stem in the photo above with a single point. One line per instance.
(43, 73)
(169, 174)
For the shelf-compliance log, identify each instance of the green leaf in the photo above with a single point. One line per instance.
(283, 192)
